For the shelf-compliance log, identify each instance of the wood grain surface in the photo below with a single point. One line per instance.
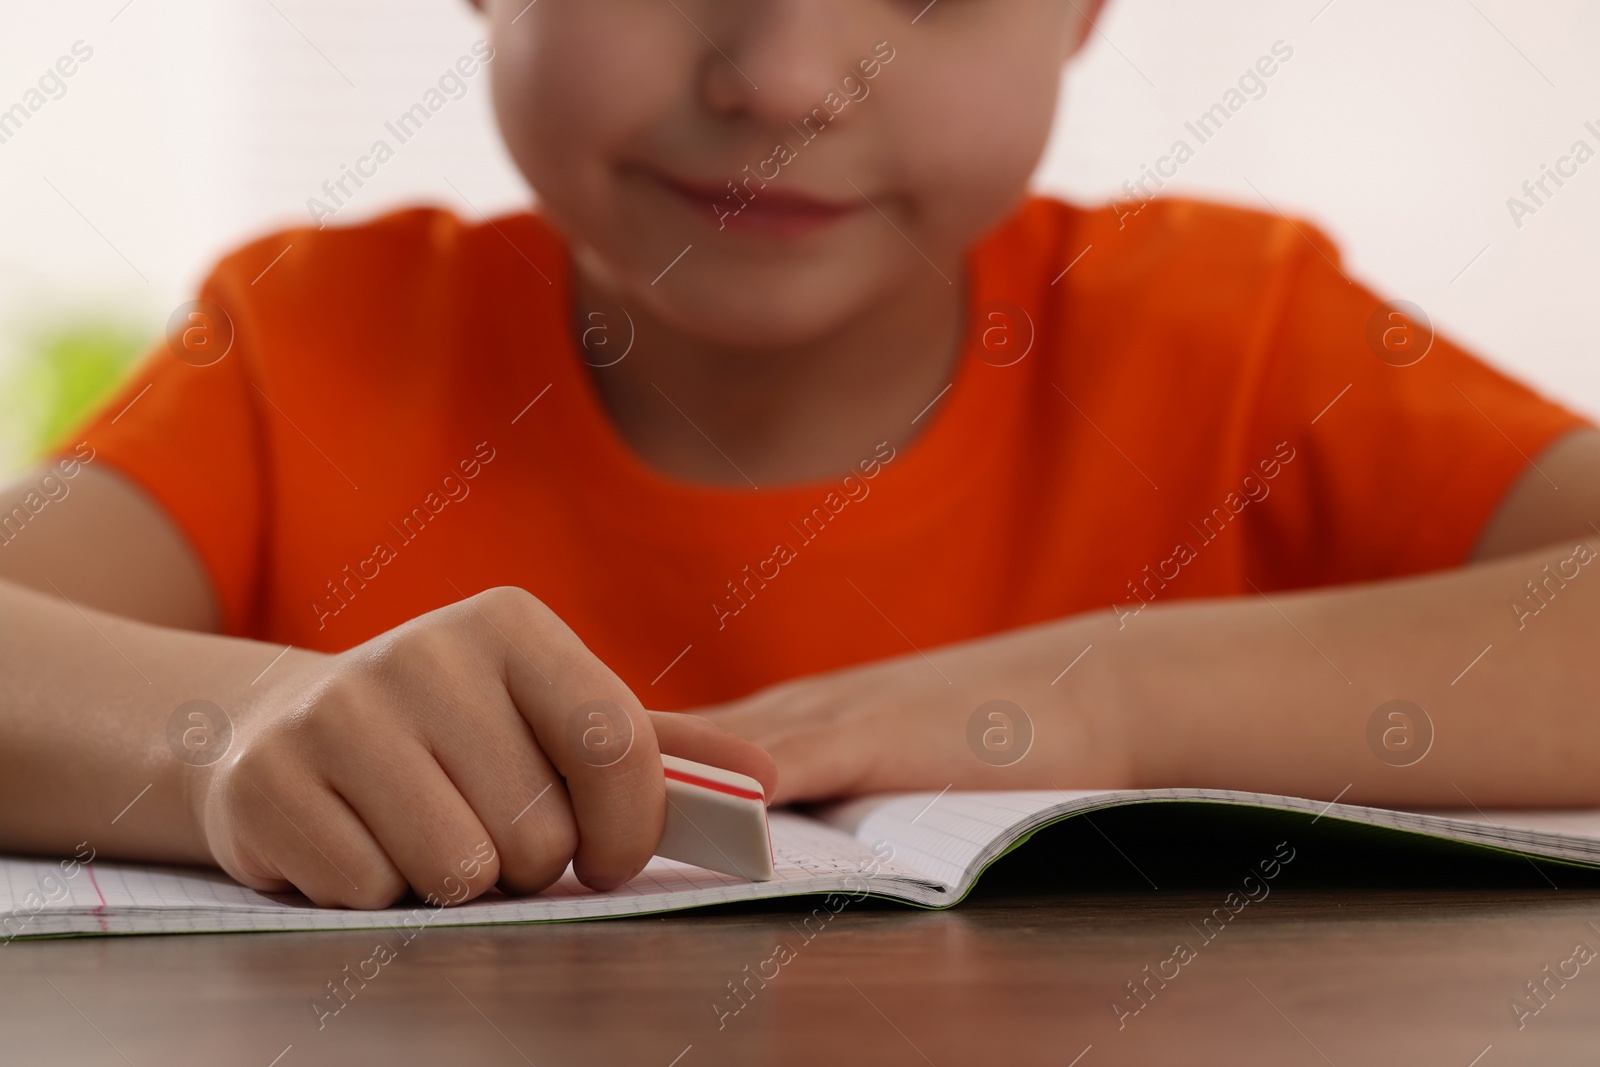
(1319, 976)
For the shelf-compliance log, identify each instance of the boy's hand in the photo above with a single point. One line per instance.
(478, 745)
(980, 715)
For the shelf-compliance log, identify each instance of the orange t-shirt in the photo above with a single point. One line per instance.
(403, 419)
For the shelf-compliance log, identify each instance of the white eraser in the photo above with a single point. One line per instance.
(716, 819)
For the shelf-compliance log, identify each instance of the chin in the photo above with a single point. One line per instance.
(742, 314)
(738, 301)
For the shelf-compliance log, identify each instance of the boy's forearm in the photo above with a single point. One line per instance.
(1278, 692)
(86, 702)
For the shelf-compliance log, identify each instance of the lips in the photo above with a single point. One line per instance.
(768, 211)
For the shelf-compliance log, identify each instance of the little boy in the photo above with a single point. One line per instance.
(790, 408)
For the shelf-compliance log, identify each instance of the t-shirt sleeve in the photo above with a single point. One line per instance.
(185, 428)
(1403, 444)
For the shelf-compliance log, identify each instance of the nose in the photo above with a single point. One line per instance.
(775, 61)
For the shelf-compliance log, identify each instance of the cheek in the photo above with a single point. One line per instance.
(972, 129)
(572, 91)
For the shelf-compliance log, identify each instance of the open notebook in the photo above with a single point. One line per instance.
(925, 849)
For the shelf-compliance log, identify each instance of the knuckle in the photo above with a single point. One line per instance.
(343, 709)
(505, 601)
(261, 764)
(510, 607)
(288, 840)
(461, 875)
(376, 887)
(609, 871)
(540, 862)
(429, 651)
(622, 849)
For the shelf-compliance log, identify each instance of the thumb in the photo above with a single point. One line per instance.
(692, 737)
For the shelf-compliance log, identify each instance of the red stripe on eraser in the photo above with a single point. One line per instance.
(707, 783)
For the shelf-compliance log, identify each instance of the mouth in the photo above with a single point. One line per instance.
(752, 207)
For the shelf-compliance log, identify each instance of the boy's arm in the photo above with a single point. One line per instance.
(1275, 692)
(86, 691)
(439, 757)
(99, 540)
(1556, 499)
(86, 699)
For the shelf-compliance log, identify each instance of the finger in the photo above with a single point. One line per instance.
(606, 750)
(804, 746)
(513, 789)
(310, 838)
(771, 713)
(591, 727)
(422, 822)
(702, 740)
(813, 765)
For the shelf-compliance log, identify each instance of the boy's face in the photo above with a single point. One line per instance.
(630, 123)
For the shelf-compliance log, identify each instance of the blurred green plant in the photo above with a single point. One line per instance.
(63, 371)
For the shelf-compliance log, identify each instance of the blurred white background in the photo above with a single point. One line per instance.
(1402, 128)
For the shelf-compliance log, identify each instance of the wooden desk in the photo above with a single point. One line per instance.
(1306, 977)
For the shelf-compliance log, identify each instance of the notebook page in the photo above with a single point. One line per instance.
(950, 837)
(1583, 822)
(940, 835)
(36, 898)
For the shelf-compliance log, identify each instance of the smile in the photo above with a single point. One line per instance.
(754, 207)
